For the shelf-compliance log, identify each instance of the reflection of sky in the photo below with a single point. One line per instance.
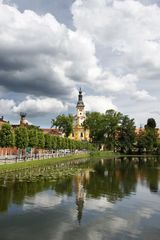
(43, 200)
(51, 216)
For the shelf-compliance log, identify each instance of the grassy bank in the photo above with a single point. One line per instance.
(97, 154)
(51, 161)
(40, 163)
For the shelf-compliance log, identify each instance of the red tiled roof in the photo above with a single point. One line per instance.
(53, 131)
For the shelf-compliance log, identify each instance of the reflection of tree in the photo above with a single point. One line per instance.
(118, 178)
(150, 171)
(113, 179)
(63, 186)
(5, 196)
(15, 192)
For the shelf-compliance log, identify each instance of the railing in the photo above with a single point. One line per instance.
(28, 157)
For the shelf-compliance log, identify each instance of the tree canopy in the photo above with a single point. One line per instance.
(63, 123)
(113, 129)
(6, 136)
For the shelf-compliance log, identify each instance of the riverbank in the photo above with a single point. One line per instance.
(45, 162)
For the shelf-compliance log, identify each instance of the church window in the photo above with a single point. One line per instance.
(81, 134)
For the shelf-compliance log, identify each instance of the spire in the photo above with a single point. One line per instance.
(80, 99)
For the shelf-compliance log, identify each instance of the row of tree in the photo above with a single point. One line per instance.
(118, 132)
(23, 137)
(115, 131)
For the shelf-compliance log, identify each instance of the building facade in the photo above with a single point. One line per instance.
(79, 132)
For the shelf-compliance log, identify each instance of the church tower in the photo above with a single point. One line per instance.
(79, 133)
(81, 115)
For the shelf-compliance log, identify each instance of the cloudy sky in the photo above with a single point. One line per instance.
(50, 48)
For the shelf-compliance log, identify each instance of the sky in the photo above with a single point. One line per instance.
(49, 49)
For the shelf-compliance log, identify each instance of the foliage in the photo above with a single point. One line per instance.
(6, 136)
(147, 140)
(64, 123)
(21, 137)
(40, 139)
(113, 120)
(95, 122)
(126, 135)
(112, 129)
(151, 123)
(32, 137)
(48, 141)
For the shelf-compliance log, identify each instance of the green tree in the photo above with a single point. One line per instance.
(151, 134)
(59, 142)
(40, 139)
(6, 136)
(126, 135)
(147, 140)
(32, 137)
(21, 137)
(151, 139)
(95, 122)
(112, 123)
(54, 142)
(48, 141)
(64, 123)
(104, 127)
(141, 141)
(151, 123)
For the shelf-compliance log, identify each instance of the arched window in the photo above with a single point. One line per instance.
(81, 135)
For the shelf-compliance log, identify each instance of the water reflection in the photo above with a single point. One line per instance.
(113, 179)
(120, 186)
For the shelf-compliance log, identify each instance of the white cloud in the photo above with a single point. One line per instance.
(40, 56)
(33, 106)
(129, 29)
(42, 200)
(100, 204)
(143, 96)
(99, 103)
(39, 106)
(113, 51)
(127, 40)
(6, 106)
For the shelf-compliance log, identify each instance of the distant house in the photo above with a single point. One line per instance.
(52, 131)
(138, 131)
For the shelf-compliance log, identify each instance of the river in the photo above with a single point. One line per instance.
(106, 199)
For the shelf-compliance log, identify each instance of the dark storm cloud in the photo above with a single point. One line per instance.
(33, 82)
(32, 54)
(29, 75)
(40, 56)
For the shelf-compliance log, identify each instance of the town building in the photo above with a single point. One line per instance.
(79, 132)
(24, 123)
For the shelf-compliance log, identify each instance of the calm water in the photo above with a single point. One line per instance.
(109, 199)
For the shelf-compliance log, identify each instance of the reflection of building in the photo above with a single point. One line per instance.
(79, 132)
(80, 192)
